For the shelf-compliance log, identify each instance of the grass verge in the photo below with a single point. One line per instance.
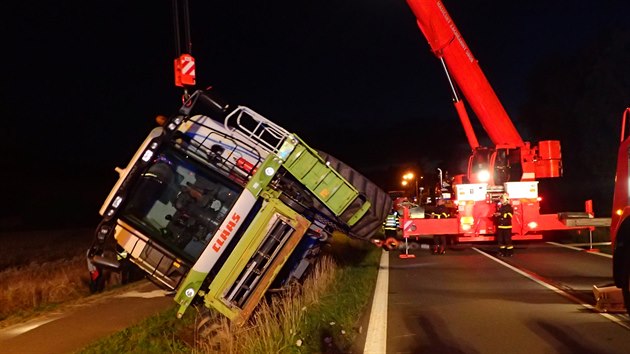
(320, 316)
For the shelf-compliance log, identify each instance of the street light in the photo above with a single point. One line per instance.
(407, 178)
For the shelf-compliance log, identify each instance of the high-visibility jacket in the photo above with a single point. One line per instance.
(391, 222)
(504, 216)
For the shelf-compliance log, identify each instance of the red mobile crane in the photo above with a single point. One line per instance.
(510, 166)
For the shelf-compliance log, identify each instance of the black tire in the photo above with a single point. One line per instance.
(625, 284)
(292, 203)
(295, 196)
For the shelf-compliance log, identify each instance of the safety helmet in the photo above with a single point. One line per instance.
(505, 198)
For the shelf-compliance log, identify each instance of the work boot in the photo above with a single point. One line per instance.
(442, 250)
(509, 252)
(501, 252)
(434, 250)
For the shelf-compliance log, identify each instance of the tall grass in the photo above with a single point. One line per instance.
(313, 318)
(276, 325)
(39, 269)
(37, 285)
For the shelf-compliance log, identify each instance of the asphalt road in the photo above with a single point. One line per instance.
(468, 301)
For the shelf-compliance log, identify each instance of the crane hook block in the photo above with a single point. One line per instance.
(185, 70)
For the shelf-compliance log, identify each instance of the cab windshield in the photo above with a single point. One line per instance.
(179, 203)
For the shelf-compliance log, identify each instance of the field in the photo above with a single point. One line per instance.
(41, 269)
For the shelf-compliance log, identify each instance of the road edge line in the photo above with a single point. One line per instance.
(376, 337)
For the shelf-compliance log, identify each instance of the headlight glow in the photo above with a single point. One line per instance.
(147, 155)
(483, 176)
(117, 201)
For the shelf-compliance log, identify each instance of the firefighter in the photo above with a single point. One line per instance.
(391, 224)
(439, 241)
(504, 226)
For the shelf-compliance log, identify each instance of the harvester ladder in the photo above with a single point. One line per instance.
(254, 127)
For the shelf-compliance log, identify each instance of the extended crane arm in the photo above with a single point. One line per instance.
(448, 45)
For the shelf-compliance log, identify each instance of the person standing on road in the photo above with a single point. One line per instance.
(439, 241)
(504, 226)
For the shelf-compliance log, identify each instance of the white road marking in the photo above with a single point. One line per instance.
(376, 337)
(556, 290)
(573, 247)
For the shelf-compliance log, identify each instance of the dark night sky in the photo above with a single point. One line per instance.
(355, 78)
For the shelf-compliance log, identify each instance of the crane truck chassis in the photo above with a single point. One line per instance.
(220, 205)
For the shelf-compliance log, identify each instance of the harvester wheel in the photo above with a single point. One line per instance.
(295, 196)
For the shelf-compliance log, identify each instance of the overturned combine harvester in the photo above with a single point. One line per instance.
(220, 204)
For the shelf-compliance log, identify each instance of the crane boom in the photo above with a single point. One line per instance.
(510, 158)
(448, 44)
